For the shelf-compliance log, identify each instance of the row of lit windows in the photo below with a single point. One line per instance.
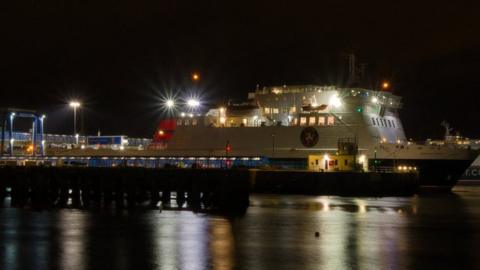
(187, 122)
(382, 122)
(268, 110)
(313, 121)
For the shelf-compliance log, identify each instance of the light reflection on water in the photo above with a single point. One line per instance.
(277, 232)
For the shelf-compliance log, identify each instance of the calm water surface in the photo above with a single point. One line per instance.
(277, 232)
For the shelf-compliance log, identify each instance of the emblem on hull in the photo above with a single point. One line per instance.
(309, 137)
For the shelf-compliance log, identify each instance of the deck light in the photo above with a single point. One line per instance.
(193, 103)
(170, 103)
(335, 101)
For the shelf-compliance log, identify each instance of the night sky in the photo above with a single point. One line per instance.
(117, 57)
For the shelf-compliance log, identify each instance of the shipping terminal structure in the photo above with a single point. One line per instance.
(322, 128)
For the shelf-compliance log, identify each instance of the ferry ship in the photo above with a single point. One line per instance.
(307, 127)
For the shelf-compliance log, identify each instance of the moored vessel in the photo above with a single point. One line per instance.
(311, 127)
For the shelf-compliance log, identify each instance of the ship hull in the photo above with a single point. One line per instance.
(435, 174)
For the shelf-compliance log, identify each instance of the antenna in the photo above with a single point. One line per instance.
(448, 129)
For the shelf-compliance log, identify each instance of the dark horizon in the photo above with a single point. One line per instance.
(117, 58)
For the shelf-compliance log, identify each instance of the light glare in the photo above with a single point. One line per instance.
(193, 103)
(335, 101)
(75, 104)
(170, 103)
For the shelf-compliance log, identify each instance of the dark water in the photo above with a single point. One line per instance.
(277, 232)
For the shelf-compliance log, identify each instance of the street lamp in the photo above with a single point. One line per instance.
(74, 105)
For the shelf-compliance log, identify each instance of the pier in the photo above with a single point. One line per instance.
(83, 187)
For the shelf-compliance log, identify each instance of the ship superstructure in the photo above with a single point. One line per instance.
(287, 124)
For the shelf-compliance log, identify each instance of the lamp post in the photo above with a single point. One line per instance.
(75, 105)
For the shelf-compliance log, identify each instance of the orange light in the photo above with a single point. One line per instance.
(30, 148)
(195, 77)
(161, 132)
(385, 85)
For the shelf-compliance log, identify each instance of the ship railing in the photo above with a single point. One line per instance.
(382, 169)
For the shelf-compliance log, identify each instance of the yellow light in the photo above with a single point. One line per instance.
(399, 168)
(161, 132)
(385, 85)
(222, 120)
(222, 110)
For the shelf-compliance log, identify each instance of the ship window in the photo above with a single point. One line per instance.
(187, 122)
(311, 120)
(293, 109)
(393, 123)
(389, 123)
(303, 121)
(378, 123)
(244, 121)
(295, 121)
(179, 122)
(330, 120)
(321, 120)
(194, 122)
(267, 110)
(274, 110)
(346, 162)
(373, 121)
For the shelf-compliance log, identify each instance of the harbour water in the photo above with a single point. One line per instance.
(435, 231)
